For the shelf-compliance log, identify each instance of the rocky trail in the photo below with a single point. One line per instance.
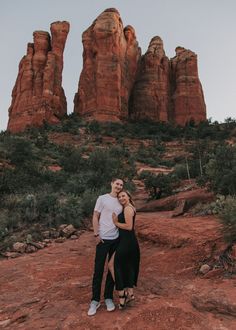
(51, 289)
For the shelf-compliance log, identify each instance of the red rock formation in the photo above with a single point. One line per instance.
(110, 59)
(115, 84)
(38, 96)
(168, 90)
(150, 97)
(187, 95)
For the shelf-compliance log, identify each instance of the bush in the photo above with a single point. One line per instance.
(21, 179)
(181, 171)
(20, 152)
(72, 160)
(88, 200)
(69, 211)
(3, 224)
(93, 127)
(227, 217)
(221, 170)
(158, 185)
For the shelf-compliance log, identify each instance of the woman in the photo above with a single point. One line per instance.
(124, 263)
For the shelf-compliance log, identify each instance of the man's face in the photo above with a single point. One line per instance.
(116, 186)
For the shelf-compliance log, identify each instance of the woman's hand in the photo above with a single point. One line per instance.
(114, 218)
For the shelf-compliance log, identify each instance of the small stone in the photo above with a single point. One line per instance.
(74, 237)
(19, 247)
(204, 269)
(30, 249)
(46, 234)
(68, 231)
(60, 240)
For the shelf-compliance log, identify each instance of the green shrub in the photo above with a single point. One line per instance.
(21, 152)
(93, 127)
(3, 224)
(21, 179)
(69, 211)
(72, 160)
(221, 170)
(227, 217)
(180, 171)
(158, 185)
(88, 199)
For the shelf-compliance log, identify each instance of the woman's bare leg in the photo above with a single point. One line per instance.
(130, 294)
(130, 291)
(111, 266)
(122, 298)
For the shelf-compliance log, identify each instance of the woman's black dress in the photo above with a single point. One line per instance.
(127, 257)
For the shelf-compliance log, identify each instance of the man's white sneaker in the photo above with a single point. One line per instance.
(93, 307)
(110, 305)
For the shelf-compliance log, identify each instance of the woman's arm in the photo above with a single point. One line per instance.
(128, 213)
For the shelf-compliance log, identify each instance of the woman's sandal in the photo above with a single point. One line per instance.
(129, 298)
(124, 296)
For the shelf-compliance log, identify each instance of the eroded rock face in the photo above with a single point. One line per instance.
(187, 95)
(110, 60)
(38, 96)
(150, 97)
(168, 90)
(116, 83)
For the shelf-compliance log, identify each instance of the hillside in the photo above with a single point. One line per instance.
(50, 178)
(52, 175)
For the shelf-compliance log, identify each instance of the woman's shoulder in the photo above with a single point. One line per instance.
(130, 209)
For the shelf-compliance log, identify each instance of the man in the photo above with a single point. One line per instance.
(106, 237)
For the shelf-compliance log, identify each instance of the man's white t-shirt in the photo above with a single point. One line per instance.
(106, 205)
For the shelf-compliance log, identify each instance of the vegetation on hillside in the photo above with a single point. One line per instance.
(45, 182)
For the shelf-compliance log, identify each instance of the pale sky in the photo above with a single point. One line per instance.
(207, 27)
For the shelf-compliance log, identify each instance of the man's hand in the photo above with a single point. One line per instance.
(98, 240)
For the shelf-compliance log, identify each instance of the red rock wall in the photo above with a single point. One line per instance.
(110, 60)
(187, 95)
(115, 83)
(38, 96)
(150, 96)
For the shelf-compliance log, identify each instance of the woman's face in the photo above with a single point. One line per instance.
(123, 198)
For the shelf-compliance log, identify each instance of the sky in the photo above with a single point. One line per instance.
(206, 27)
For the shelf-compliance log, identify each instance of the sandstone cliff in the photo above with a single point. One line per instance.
(187, 95)
(116, 83)
(150, 97)
(38, 95)
(110, 58)
(168, 90)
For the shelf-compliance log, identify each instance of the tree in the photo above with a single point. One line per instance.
(158, 185)
(221, 170)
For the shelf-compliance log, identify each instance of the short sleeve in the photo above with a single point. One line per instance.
(99, 205)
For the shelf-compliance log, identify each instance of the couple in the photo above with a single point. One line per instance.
(113, 225)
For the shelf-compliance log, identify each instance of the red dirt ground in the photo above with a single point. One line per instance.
(51, 289)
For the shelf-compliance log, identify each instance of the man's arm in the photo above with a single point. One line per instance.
(96, 216)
